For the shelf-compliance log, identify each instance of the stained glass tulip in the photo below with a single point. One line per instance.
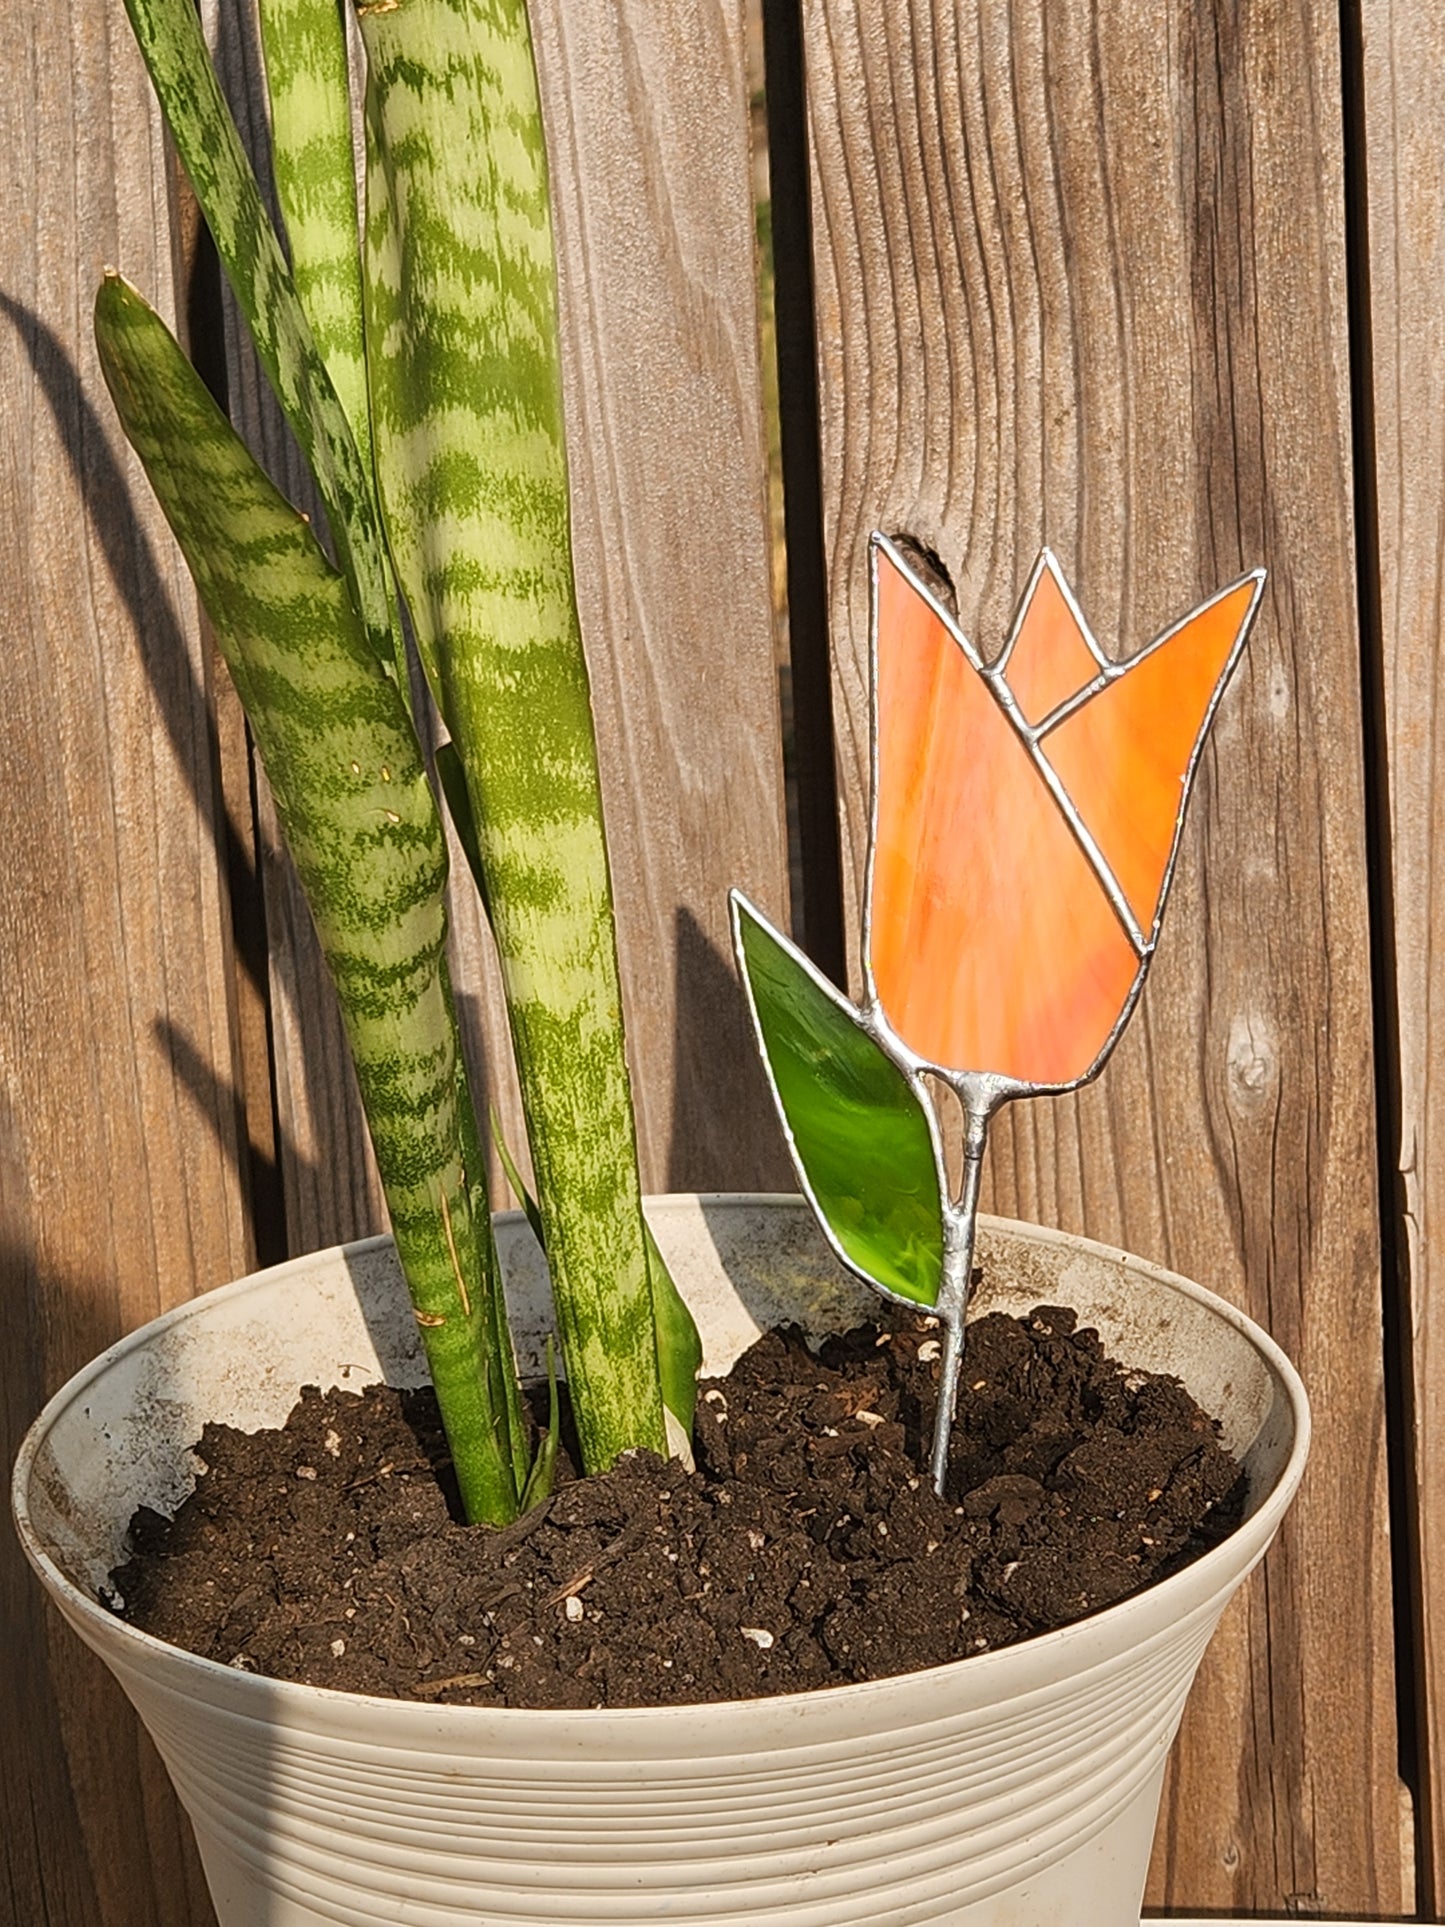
(1026, 818)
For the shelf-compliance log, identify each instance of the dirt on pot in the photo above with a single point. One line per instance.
(808, 1549)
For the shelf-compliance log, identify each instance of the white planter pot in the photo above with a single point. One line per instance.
(1015, 1789)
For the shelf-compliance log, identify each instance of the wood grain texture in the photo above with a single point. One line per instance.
(1404, 179)
(1080, 278)
(120, 1192)
(649, 138)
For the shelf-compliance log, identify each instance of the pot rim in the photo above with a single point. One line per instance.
(1201, 1578)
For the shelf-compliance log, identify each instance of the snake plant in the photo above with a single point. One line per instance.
(411, 339)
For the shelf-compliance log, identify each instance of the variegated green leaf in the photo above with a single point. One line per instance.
(170, 39)
(679, 1349)
(363, 828)
(314, 166)
(466, 418)
(679, 1346)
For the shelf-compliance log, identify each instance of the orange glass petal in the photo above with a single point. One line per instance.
(992, 943)
(1050, 659)
(1123, 756)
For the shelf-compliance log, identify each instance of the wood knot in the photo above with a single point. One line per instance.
(1253, 1062)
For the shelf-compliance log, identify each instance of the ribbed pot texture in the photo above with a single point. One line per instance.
(1015, 1789)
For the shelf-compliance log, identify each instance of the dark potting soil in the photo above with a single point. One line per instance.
(808, 1549)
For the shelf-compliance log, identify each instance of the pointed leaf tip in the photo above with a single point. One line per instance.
(860, 1138)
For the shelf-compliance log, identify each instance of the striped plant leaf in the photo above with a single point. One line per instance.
(363, 827)
(462, 339)
(679, 1345)
(313, 163)
(171, 43)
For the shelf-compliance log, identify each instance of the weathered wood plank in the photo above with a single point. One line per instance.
(1404, 179)
(649, 133)
(120, 1192)
(1080, 278)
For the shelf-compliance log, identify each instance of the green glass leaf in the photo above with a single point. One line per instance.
(860, 1137)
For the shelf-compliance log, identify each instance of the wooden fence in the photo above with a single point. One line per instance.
(1161, 282)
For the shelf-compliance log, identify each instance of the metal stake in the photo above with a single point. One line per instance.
(959, 1224)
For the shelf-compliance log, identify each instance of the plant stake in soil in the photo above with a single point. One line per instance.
(1026, 816)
